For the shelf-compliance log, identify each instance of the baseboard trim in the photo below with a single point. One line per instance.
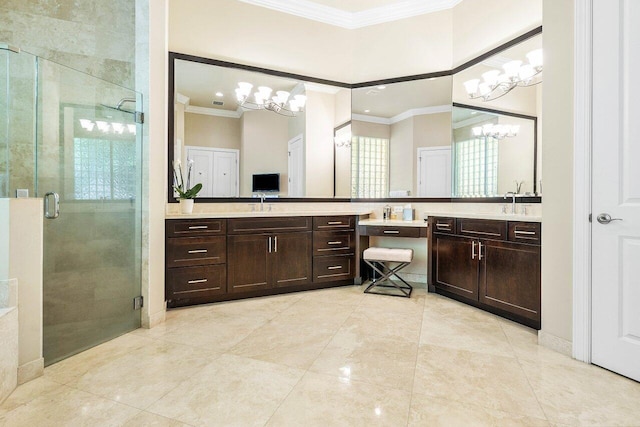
(155, 319)
(30, 371)
(555, 343)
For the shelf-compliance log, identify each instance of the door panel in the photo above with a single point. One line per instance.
(456, 268)
(296, 168)
(616, 188)
(291, 259)
(248, 262)
(225, 174)
(90, 153)
(434, 172)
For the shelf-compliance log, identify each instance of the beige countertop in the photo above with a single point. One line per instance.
(263, 214)
(494, 216)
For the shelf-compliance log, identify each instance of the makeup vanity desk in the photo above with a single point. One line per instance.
(393, 228)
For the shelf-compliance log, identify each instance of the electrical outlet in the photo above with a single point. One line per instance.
(398, 209)
(22, 193)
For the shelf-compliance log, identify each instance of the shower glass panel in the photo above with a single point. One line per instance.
(89, 153)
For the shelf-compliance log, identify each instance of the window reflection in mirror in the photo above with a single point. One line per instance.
(391, 125)
(230, 142)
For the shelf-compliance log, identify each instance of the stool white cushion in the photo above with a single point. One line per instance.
(388, 254)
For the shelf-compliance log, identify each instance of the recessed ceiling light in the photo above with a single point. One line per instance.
(219, 94)
(367, 111)
(381, 87)
(474, 112)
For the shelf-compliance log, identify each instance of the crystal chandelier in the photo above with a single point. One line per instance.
(282, 102)
(496, 131)
(496, 83)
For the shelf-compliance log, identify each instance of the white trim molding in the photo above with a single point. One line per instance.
(436, 109)
(554, 343)
(235, 114)
(582, 181)
(352, 20)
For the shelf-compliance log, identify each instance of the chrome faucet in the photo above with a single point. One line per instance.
(262, 197)
(513, 200)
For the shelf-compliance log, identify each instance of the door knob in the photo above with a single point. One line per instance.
(605, 218)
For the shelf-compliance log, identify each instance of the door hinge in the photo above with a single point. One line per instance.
(139, 117)
(590, 217)
(138, 303)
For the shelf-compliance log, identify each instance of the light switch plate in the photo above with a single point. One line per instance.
(22, 193)
(398, 209)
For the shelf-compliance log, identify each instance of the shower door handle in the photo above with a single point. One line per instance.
(47, 205)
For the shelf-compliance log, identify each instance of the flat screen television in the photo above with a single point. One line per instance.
(266, 183)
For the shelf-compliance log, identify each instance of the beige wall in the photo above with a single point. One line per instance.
(264, 148)
(481, 25)
(515, 158)
(320, 122)
(202, 130)
(373, 130)
(557, 169)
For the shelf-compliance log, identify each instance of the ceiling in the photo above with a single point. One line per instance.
(353, 14)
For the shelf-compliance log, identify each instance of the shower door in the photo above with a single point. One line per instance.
(89, 159)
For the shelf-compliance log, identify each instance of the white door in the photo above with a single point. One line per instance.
(616, 187)
(202, 171)
(225, 173)
(216, 169)
(434, 172)
(296, 167)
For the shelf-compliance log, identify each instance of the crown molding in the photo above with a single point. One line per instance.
(213, 112)
(353, 20)
(182, 99)
(402, 116)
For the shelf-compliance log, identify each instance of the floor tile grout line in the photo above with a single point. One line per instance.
(415, 365)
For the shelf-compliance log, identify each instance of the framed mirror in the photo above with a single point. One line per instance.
(235, 125)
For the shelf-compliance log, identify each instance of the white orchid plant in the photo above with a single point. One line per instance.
(184, 189)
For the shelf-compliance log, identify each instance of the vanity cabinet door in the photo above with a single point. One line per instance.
(248, 262)
(456, 265)
(510, 279)
(291, 255)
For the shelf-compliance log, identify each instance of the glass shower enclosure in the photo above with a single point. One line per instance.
(76, 141)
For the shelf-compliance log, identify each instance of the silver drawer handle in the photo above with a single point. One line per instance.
(443, 227)
(191, 282)
(198, 251)
(333, 243)
(391, 232)
(198, 227)
(482, 233)
(529, 233)
(334, 222)
(334, 267)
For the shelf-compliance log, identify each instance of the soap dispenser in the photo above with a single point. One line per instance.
(386, 212)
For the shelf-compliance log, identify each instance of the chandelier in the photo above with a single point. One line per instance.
(497, 83)
(282, 102)
(496, 131)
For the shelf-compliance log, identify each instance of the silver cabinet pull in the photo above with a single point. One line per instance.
(479, 251)
(269, 244)
(391, 232)
(333, 243)
(275, 244)
(443, 227)
(198, 227)
(605, 218)
(526, 233)
(473, 249)
(56, 205)
(191, 282)
(483, 233)
(334, 222)
(198, 251)
(334, 267)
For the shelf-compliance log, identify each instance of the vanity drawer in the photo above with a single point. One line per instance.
(343, 222)
(444, 225)
(196, 282)
(333, 268)
(482, 228)
(525, 232)
(333, 242)
(391, 231)
(195, 227)
(191, 251)
(269, 225)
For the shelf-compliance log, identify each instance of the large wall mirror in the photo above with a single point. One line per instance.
(244, 141)
(471, 132)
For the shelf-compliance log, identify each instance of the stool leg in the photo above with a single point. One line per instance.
(386, 272)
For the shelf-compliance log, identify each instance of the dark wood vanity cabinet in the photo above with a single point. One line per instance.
(494, 265)
(215, 260)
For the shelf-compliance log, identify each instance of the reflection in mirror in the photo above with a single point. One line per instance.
(520, 94)
(492, 153)
(225, 122)
(392, 126)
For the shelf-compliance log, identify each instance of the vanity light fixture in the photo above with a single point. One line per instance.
(281, 103)
(496, 83)
(219, 94)
(106, 127)
(496, 131)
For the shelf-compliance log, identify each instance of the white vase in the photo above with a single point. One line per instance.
(186, 206)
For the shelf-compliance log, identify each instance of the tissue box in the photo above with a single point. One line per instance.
(407, 214)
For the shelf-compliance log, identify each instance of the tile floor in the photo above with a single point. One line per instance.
(333, 357)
